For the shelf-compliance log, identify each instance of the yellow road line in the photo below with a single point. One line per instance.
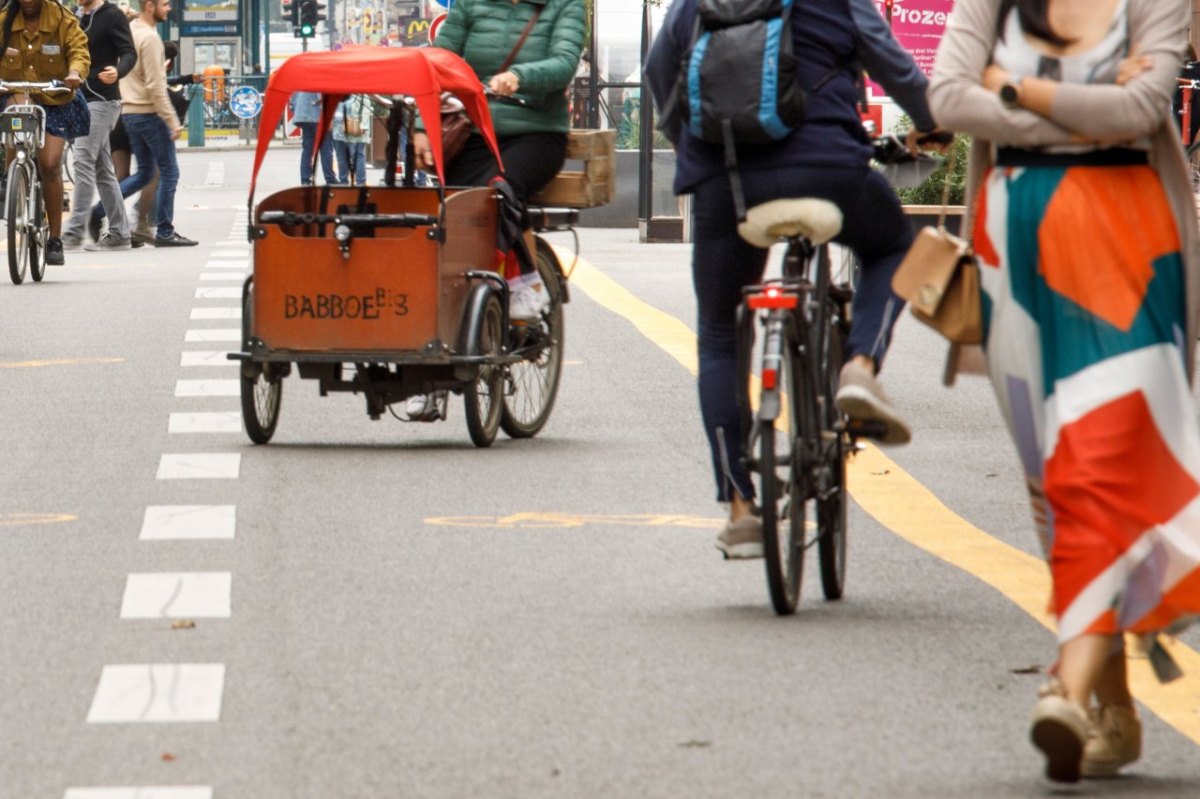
(58, 362)
(22, 519)
(910, 510)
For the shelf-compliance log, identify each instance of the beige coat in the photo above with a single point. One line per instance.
(1106, 113)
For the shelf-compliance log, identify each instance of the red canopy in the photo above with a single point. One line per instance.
(422, 73)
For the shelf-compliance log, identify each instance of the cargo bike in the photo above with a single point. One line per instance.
(393, 291)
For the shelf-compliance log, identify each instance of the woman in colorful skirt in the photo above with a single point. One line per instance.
(1084, 226)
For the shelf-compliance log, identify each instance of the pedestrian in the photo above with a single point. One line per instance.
(826, 156)
(306, 112)
(351, 135)
(110, 45)
(43, 41)
(1083, 220)
(151, 123)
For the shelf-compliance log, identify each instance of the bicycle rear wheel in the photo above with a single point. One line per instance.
(783, 530)
(832, 501)
(16, 212)
(531, 386)
(40, 225)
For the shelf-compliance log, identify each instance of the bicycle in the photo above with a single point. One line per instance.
(798, 442)
(23, 131)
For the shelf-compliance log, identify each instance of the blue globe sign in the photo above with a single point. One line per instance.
(245, 102)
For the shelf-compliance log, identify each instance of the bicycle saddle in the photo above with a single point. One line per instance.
(817, 220)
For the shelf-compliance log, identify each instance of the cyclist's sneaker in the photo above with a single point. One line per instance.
(108, 241)
(142, 235)
(1059, 728)
(54, 252)
(1114, 740)
(94, 224)
(741, 540)
(71, 243)
(526, 301)
(174, 240)
(860, 397)
(425, 407)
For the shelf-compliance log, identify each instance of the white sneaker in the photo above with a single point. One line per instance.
(425, 407)
(527, 301)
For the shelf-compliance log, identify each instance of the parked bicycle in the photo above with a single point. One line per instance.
(798, 444)
(23, 131)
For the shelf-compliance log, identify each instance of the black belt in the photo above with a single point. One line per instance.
(1117, 156)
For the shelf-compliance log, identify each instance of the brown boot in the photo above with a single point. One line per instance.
(1114, 740)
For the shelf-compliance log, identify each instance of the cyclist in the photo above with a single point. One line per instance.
(43, 41)
(827, 157)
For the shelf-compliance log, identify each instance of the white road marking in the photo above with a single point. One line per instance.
(230, 254)
(216, 174)
(175, 522)
(148, 792)
(231, 277)
(216, 313)
(207, 388)
(219, 293)
(212, 334)
(228, 244)
(182, 595)
(205, 358)
(241, 263)
(207, 422)
(199, 466)
(158, 692)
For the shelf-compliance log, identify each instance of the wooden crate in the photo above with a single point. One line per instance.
(588, 188)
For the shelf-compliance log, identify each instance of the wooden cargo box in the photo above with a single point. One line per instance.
(592, 186)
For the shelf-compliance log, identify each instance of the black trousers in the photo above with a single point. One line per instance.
(531, 160)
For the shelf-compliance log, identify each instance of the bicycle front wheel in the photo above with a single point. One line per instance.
(531, 386)
(483, 395)
(20, 229)
(782, 516)
(39, 232)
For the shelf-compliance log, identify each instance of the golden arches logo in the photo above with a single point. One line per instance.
(417, 27)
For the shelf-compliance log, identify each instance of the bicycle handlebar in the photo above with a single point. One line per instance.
(49, 87)
(891, 149)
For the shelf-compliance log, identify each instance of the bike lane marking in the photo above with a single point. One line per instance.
(900, 503)
(60, 362)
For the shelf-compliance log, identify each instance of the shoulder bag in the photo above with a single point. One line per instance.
(456, 125)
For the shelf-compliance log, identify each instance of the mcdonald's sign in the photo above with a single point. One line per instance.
(416, 28)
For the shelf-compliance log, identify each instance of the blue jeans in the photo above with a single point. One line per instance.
(351, 157)
(722, 263)
(152, 146)
(308, 138)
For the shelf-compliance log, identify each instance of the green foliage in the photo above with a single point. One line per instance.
(930, 192)
(629, 129)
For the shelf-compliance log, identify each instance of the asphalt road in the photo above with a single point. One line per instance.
(379, 609)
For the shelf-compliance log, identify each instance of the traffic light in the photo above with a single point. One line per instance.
(291, 14)
(310, 15)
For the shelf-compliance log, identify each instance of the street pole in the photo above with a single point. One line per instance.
(645, 129)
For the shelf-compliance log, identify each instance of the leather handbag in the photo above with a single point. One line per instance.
(940, 279)
(456, 125)
(351, 124)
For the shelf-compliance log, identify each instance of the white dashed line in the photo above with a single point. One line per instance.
(199, 314)
(158, 692)
(207, 388)
(148, 792)
(228, 264)
(205, 358)
(199, 466)
(209, 422)
(219, 293)
(188, 522)
(212, 334)
(229, 254)
(216, 174)
(183, 595)
(232, 277)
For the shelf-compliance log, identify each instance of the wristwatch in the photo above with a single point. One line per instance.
(1010, 92)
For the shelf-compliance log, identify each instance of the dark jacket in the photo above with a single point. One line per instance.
(484, 32)
(834, 41)
(110, 45)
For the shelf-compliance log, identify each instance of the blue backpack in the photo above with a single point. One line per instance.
(738, 82)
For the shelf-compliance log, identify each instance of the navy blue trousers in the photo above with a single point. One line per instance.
(874, 227)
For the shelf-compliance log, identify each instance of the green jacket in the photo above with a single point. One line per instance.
(484, 31)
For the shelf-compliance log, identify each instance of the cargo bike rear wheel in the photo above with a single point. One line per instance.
(261, 384)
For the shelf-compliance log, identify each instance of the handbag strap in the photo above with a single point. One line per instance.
(537, 11)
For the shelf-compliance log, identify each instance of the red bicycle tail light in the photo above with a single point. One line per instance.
(770, 379)
(771, 299)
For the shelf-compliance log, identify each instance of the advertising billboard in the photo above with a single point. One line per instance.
(918, 26)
